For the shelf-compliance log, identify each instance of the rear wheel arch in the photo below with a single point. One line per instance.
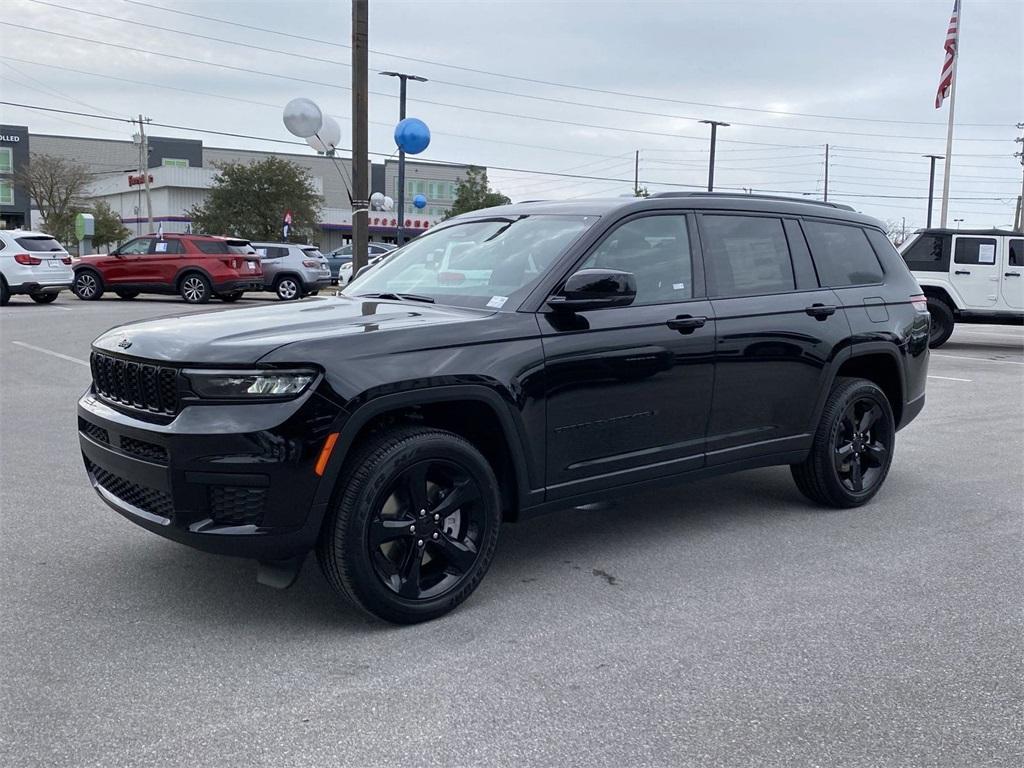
(185, 272)
(881, 366)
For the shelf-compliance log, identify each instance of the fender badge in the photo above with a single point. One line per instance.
(124, 343)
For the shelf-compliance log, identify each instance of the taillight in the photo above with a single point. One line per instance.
(310, 263)
(26, 259)
(920, 302)
(66, 260)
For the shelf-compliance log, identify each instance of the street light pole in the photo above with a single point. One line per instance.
(403, 78)
(931, 185)
(711, 161)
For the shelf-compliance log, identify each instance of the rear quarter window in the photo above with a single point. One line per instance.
(211, 246)
(929, 253)
(842, 254)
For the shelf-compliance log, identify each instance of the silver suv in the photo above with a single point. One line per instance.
(291, 270)
(32, 263)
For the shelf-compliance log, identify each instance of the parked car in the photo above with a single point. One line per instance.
(340, 260)
(616, 344)
(197, 267)
(34, 264)
(968, 276)
(291, 270)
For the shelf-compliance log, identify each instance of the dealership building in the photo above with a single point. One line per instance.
(181, 171)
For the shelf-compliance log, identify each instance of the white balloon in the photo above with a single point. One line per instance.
(389, 203)
(377, 201)
(327, 138)
(303, 118)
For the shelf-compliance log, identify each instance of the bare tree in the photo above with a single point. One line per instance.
(55, 186)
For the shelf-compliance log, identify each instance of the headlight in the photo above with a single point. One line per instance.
(246, 385)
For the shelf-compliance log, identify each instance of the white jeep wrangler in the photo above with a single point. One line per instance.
(969, 276)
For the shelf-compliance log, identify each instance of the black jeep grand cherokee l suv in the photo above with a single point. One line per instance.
(512, 361)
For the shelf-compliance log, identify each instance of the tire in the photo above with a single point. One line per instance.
(830, 475)
(88, 285)
(288, 288)
(398, 477)
(195, 288)
(230, 297)
(43, 298)
(942, 322)
(314, 293)
(126, 295)
(5, 295)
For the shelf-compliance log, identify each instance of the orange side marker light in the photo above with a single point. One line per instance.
(325, 453)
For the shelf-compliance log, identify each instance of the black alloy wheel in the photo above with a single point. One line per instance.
(88, 285)
(852, 448)
(416, 526)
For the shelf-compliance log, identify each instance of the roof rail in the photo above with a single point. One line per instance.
(746, 196)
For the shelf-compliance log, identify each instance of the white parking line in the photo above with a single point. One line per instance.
(50, 352)
(1016, 336)
(949, 378)
(977, 359)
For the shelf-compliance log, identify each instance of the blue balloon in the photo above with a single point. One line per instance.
(420, 201)
(412, 135)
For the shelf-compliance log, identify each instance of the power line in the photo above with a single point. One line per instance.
(555, 84)
(504, 93)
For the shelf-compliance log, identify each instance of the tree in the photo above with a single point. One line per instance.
(641, 192)
(108, 227)
(250, 199)
(895, 231)
(475, 193)
(55, 186)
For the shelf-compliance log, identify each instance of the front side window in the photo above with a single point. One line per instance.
(842, 254)
(489, 263)
(6, 160)
(746, 255)
(975, 250)
(1016, 253)
(656, 250)
(137, 246)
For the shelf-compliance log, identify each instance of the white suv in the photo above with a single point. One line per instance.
(32, 263)
(969, 276)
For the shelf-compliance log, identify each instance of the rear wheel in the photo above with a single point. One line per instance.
(942, 322)
(287, 288)
(5, 295)
(43, 298)
(852, 449)
(127, 295)
(195, 288)
(415, 527)
(88, 285)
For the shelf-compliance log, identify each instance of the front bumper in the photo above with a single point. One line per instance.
(229, 479)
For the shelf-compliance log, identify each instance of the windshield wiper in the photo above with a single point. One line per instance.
(397, 297)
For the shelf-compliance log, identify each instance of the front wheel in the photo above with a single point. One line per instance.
(416, 525)
(43, 298)
(941, 327)
(195, 288)
(852, 448)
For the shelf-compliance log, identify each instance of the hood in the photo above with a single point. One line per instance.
(239, 336)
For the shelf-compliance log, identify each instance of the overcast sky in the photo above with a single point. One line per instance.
(854, 65)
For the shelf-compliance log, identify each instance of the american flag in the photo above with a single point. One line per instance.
(952, 37)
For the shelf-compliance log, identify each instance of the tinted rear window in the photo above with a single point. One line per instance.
(746, 256)
(211, 246)
(313, 253)
(842, 254)
(929, 253)
(39, 244)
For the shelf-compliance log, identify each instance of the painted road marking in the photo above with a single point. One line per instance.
(949, 378)
(50, 352)
(978, 359)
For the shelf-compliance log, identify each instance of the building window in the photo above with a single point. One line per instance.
(6, 193)
(174, 162)
(6, 160)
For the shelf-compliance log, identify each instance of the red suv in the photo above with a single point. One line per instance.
(197, 267)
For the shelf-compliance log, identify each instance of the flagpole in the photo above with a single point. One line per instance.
(949, 130)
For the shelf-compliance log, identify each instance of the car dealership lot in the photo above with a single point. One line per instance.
(724, 622)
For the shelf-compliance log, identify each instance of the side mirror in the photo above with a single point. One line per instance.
(595, 289)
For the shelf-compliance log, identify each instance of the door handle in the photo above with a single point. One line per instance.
(1011, 274)
(820, 311)
(962, 272)
(686, 323)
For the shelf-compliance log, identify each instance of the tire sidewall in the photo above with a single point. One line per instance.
(99, 285)
(281, 281)
(207, 290)
(941, 317)
(360, 502)
(856, 391)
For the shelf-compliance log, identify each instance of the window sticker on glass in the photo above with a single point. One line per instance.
(497, 302)
(161, 247)
(986, 253)
(678, 286)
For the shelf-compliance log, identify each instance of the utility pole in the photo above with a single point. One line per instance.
(360, 138)
(931, 184)
(144, 167)
(1018, 215)
(400, 197)
(636, 175)
(711, 161)
(903, 231)
(826, 173)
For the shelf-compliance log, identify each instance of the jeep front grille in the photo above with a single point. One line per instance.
(137, 385)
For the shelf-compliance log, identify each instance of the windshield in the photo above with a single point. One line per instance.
(476, 264)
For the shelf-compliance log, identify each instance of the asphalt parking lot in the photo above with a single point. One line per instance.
(722, 623)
